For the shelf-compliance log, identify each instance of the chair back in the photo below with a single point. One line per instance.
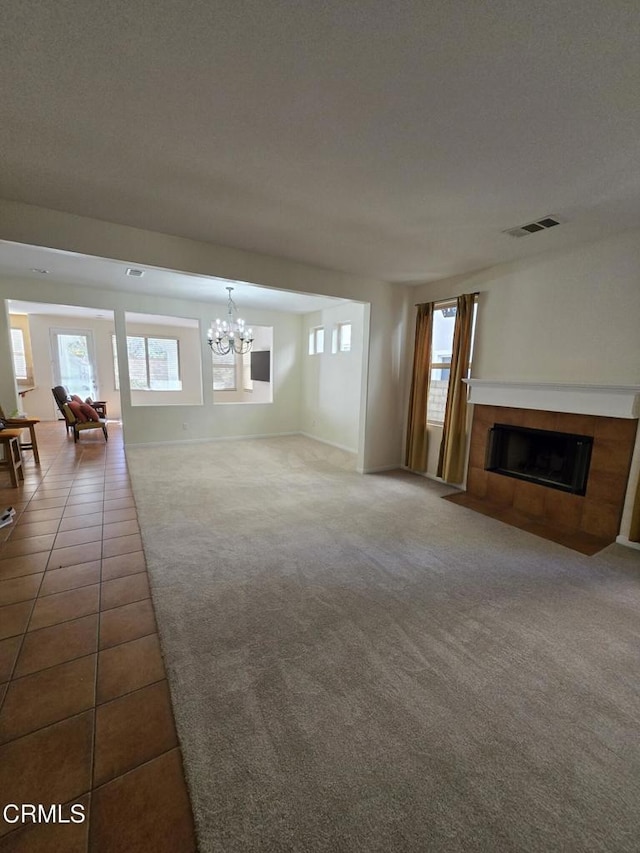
(61, 397)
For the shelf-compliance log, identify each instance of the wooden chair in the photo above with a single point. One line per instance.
(12, 461)
(25, 423)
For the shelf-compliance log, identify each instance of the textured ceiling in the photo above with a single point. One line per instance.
(396, 140)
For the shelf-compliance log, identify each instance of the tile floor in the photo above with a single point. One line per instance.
(85, 713)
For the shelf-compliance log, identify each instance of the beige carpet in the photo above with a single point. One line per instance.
(358, 665)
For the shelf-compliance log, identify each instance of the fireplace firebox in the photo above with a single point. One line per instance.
(558, 460)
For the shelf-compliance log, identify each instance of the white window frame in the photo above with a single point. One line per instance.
(341, 327)
(316, 340)
(19, 352)
(146, 339)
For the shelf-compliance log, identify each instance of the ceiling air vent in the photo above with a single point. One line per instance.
(532, 227)
(135, 273)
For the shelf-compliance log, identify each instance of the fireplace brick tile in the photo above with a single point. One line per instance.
(601, 519)
(478, 446)
(615, 429)
(477, 482)
(529, 498)
(611, 456)
(500, 489)
(576, 424)
(562, 509)
(542, 420)
(605, 486)
(485, 415)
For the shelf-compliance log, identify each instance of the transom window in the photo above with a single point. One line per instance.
(341, 338)
(316, 340)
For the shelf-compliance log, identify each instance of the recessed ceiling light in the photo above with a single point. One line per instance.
(135, 273)
(41, 272)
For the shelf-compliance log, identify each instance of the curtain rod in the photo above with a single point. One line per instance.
(445, 299)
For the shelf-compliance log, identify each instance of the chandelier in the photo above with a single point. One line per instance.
(230, 335)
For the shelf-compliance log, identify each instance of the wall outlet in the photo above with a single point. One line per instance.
(185, 425)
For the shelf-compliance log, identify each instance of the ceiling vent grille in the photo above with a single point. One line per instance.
(532, 227)
(134, 273)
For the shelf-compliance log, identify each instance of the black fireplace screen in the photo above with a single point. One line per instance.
(558, 460)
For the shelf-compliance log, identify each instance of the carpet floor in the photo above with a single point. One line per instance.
(358, 665)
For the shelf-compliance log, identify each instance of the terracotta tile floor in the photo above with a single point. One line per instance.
(85, 713)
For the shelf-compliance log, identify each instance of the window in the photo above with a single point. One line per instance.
(237, 377)
(316, 341)
(341, 338)
(444, 319)
(154, 363)
(19, 354)
(224, 371)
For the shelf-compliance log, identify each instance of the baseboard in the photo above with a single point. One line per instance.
(458, 486)
(623, 540)
(330, 443)
(379, 470)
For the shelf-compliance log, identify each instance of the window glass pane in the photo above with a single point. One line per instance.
(444, 321)
(224, 371)
(437, 396)
(137, 356)
(19, 356)
(74, 362)
(319, 340)
(345, 337)
(115, 363)
(164, 364)
(312, 342)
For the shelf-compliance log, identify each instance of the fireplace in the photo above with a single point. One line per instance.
(556, 460)
(551, 459)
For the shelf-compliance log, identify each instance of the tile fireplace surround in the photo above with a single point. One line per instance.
(607, 413)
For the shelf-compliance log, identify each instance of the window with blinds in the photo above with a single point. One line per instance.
(154, 363)
(224, 371)
(19, 354)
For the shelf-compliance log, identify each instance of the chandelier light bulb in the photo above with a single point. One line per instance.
(230, 334)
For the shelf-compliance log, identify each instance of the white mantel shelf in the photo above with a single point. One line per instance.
(612, 401)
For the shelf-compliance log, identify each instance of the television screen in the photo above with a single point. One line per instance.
(261, 366)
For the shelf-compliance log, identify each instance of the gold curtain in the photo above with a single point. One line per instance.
(416, 454)
(454, 433)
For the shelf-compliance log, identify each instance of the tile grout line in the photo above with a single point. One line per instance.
(95, 680)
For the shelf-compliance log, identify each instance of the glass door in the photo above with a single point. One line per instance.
(74, 364)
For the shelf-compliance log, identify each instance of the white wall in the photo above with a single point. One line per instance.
(331, 382)
(382, 432)
(570, 316)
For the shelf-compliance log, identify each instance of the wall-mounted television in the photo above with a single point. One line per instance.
(261, 366)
